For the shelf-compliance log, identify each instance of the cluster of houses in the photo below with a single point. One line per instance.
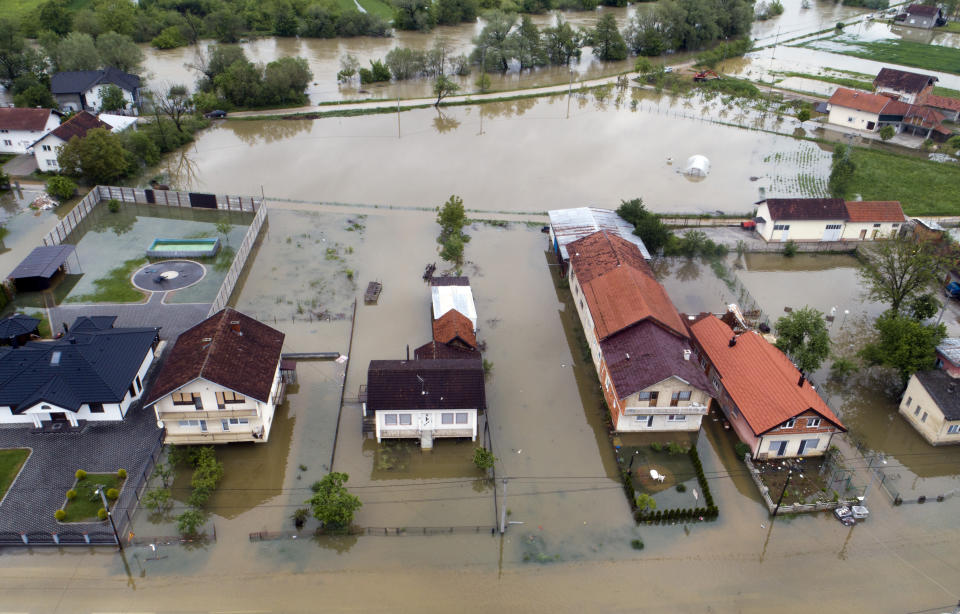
(662, 371)
(901, 99)
(924, 16)
(440, 392)
(79, 94)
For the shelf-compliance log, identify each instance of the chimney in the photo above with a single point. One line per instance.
(733, 341)
(801, 380)
(408, 351)
(686, 354)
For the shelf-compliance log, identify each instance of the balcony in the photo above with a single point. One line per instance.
(217, 414)
(201, 438)
(692, 409)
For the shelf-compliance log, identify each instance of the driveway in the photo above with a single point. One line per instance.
(21, 166)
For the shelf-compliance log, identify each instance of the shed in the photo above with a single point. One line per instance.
(569, 225)
(458, 297)
(697, 166)
(36, 271)
(17, 329)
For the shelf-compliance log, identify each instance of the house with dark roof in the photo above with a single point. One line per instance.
(46, 148)
(221, 382)
(827, 219)
(931, 402)
(20, 128)
(923, 16)
(83, 90)
(769, 404)
(424, 399)
(909, 87)
(92, 373)
(18, 328)
(638, 341)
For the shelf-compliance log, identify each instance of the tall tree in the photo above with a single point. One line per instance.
(119, 51)
(803, 336)
(527, 44)
(561, 42)
(896, 269)
(16, 57)
(842, 168)
(492, 46)
(75, 52)
(904, 344)
(98, 157)
(55, 16)
(332, 503)
(111, 98)
(116, 15)
(651, 230)
(443, 86)
(606, 40)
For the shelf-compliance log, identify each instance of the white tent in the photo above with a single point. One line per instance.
(697, 166)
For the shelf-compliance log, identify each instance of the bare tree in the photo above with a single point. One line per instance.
(175, 104)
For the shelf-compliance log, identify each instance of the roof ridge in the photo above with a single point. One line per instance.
(213, 342)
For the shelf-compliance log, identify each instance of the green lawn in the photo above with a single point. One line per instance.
(116, 287)
(908, 53)
(86, 504)
(21, 8)
(44, 327)
(857, 84)
(378, 8)
(921, 186)
(11, 461)
(946, 91)
(952, 26)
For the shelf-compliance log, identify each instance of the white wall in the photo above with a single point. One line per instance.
(852, 230)
(692, 410)
(797, 230)
(916, 403)
(793, 444)
(94, 96)
(852, 118)
(46, 153)
(425, 421)
(20, 140)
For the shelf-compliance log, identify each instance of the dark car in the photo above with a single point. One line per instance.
(218, 114)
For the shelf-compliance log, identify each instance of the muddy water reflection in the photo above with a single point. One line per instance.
(523, 156)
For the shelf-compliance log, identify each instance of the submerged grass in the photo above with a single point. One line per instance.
(11, 461)
(858, 84)
(115, 287)
(921, 186)
(908, 53)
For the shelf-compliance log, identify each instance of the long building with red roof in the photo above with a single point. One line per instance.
(638, 341)
(770, 405)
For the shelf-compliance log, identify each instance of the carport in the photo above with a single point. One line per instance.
(37, 270)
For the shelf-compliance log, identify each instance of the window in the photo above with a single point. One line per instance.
(716, 384)
(46, 148)
(139, 384)
(446, 418)
(133, 392)
(896, 225)
(653, 398)
(676, 397)
(462, 417)
(4, 131)
(703, 363)
(835, 226)
(924, 418)
(229, 397)
(850, 119)
(910, 399)
(781, 226)
(953, 429)
(52, 163)
(917, 411)
(813, 423)
(788, 424)
(676, 418)
(7, 142)
(96, 408)
(192, 423)
(876, 225)
(184, 398)
(405, 419)
(643, 396)
(641, 418)
(237, 421)
(389, 419)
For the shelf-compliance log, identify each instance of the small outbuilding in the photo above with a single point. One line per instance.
(37, 270)
(697, 166)
(448, 293)
(569, 225)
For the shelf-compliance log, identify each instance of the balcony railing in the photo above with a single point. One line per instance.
(692, 409)
(219, 414)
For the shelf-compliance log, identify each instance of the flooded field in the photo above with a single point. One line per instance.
(499, 157)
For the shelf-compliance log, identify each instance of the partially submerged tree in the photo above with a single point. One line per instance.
(175, 104)
(803, 336)
(332, 503)
(896, 269)
(653, 232)
(443, 86)
(904, 344)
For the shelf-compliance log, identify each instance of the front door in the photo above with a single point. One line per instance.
(806, 445)
(832, 232)
(778, 448)
(863, 234)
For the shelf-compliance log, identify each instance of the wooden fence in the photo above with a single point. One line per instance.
(239, 261)
(165, 198)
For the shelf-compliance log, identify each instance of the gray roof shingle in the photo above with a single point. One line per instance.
(43, 261)
(79, 81)
(944, 391)
(425, 384)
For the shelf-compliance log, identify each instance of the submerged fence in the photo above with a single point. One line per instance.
(239, 261)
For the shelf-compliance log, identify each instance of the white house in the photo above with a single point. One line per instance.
(855, 109)
(931, 405)
(221, 382)
(801, 219)
(448, 293)
(20, 128)
(93, 373)
(424, 399)
(868, 220)
(46, 148)
(83, 90)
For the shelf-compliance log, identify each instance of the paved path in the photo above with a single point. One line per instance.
(21, 166)
(172, 318)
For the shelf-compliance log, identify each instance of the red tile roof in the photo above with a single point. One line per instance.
(23, 119)
(602, 252)
(874, 211)
(433, 350)
(454, 326)
(626, 296)
(861, 101)
(78, 125)
(941, 102)
(759, 378)
(229, 349)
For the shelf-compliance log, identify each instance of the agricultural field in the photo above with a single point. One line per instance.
(22, 8)
(923, 187)
(812, 167)
(907, 53)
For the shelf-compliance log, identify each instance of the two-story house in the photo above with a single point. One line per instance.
(20, 128)
(93, 373)
(83, 90)
(638, 341)
(931, 402)
(909, 87)
(769, 404)
(46, 148)
(221, 382)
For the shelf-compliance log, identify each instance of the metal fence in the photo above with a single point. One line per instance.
(239, 261)
(795, 508)
(888, 480)
(168, 198)
(259, 536)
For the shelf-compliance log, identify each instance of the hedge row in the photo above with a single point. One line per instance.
(699, 513)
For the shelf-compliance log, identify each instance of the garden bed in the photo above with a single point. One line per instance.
(84, 507)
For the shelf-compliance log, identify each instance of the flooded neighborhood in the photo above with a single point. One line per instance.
(431, 305)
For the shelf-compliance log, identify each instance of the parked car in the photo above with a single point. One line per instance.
(218, 114)
(952, 290)
(845, 516)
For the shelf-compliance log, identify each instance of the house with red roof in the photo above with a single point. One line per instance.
(827, 219)
(768, 402)
(868, 220)
(638, 341)
(221, 382)
(20, 128)
(912, 108)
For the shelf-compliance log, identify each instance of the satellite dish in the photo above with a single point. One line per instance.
(159, 424)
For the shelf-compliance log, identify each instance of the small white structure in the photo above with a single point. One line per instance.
(449, 293)
(569, 225)
(20, 128)
(697, 166)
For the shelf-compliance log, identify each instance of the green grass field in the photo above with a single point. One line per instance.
(11, 461)
(21, 8)
(87, 502)
(857, 84)
(907, 53)
(374, 7)
(921, 186)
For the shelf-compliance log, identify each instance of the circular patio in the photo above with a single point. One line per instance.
(168, 275)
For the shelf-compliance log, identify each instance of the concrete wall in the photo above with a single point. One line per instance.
(852, 118)
(923, 414)
(852, 230)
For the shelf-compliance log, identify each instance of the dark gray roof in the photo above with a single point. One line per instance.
(16, 325)
(654, 355)
(944, 390)
(807, 209)
(89, 323)
(79, 81)
(425, 384)
(447, 280)
(92, 366)
(42, 261)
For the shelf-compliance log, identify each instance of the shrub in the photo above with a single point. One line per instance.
(681, 487)
(636, 544)
(190, 521)
(122, 474)
(61, 188)
(742, 449)
(887, 132)
(113, 494)
(483, 458)
(102, 513)
(158, 500)
(80, 474)
(113, 205)
(60, 515)
(656, 447)
(71, 494)
(790, 249)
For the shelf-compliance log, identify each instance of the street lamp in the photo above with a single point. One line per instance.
(106, 506)
(846, 312)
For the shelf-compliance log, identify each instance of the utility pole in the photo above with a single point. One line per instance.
(398, 116)
(503, 510)
(784, 491)
(106, 506)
